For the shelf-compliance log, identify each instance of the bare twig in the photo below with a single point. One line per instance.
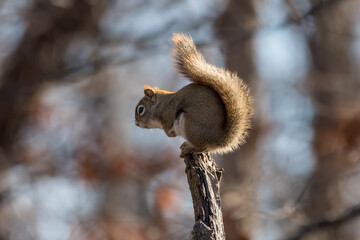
(348, 215)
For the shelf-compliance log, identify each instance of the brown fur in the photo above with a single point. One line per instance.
(217, 107)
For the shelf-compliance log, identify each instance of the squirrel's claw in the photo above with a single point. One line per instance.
(186, 148)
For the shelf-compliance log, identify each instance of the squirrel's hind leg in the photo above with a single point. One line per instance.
(188, 148)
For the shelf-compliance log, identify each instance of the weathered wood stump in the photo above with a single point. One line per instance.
(204, 178)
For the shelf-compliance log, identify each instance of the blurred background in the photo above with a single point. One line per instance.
(74, 166)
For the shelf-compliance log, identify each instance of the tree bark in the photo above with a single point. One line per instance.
(204, 178)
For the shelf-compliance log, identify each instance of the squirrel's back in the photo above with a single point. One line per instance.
(232, 90)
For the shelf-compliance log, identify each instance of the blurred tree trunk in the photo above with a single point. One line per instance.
(39, 57)
(333, 91)
(242, 168)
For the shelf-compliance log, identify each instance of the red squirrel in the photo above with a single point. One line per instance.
(212, 114)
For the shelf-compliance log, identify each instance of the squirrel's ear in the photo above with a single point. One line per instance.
(149, 93)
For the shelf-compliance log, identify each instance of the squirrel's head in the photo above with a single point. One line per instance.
(144, 111)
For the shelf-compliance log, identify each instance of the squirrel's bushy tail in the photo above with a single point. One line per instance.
(232, 90)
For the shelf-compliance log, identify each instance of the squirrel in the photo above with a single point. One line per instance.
(212, 114)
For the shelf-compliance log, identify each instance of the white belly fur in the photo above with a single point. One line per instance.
(179, 126)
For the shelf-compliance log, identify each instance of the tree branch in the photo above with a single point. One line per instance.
(348, 215)
(204, 178)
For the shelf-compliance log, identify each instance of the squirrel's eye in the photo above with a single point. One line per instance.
(140, 109)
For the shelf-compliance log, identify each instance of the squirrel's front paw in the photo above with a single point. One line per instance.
(170, 133)
(186, 148)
